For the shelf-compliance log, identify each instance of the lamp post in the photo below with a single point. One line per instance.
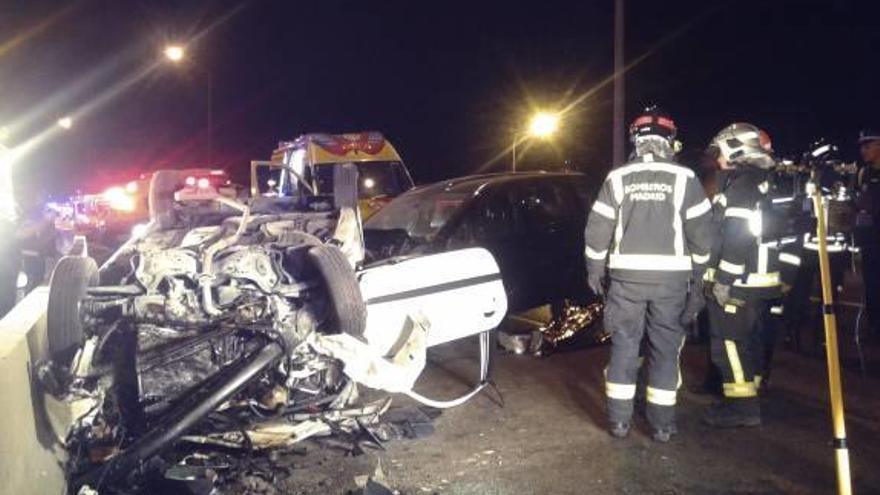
(176, 54)
(542, 125)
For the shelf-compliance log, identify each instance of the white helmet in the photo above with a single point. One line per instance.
(745, 143)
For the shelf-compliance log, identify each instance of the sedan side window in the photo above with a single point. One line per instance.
(488, 220)
(538, 206)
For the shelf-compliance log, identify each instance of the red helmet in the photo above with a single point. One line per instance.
(653, 122)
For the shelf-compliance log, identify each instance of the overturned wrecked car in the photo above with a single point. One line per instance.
(246, 324)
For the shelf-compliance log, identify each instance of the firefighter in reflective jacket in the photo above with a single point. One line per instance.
(746, 262)
(649, 229)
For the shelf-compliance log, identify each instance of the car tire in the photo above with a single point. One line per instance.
(348, 313)
(67, 287)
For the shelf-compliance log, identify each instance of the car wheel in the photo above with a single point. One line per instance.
(347, 309)
(67, 287)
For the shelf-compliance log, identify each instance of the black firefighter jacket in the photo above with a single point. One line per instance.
(650, 223)
(750, 252)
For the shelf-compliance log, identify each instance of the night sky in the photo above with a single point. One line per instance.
(447, 82)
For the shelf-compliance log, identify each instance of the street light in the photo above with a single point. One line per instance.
(174, 53)
(542, 125)
(65, 122)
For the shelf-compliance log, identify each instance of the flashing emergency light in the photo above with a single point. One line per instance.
(118, 199)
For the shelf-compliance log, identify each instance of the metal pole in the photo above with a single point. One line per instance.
(619, 90)
(844, 484)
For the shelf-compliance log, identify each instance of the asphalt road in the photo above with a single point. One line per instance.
(549, 437)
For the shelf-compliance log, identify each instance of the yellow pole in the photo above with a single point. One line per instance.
(844, 484)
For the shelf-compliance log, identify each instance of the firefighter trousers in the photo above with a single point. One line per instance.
(734, 332)
(631, 311)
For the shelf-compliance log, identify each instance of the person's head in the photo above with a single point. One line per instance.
(653, 131)
(869, 146)
(743, 144)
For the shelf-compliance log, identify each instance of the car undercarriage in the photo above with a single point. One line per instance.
(246, 326)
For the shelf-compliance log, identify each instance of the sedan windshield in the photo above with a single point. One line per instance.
(420, 213)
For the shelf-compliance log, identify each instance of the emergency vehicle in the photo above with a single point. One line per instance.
(308, 162)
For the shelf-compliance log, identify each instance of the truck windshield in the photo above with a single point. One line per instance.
(375, 179)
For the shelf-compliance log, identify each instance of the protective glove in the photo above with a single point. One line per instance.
(695, 303)
(721, 292)
(595, 279)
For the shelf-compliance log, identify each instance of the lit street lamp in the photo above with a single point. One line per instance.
(65, 122)
(175, 54)
(542, 125)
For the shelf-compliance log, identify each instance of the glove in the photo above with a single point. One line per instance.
(721, 292)
(695, 303)
(595, 280)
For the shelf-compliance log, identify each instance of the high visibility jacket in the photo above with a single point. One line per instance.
(651, 222)
(751, 251)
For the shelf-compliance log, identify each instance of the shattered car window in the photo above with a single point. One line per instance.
(421, 214)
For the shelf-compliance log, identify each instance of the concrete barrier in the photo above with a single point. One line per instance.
(31, 456)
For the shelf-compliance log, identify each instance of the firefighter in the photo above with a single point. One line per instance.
(9, 259)
(649, 232)
(746, 264)
(821, 158)
(868, 223)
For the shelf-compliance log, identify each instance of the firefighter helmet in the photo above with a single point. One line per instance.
(822, 152)
(742, 142)
(653, 122)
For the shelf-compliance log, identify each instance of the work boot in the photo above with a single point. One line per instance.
(619, 429)
(664, 434)
(734, 414)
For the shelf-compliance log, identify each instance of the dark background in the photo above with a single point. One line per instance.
(447, 82)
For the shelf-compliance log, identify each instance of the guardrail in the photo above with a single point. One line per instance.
(31, 455)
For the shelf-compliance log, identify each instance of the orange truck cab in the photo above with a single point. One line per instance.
(310, 158)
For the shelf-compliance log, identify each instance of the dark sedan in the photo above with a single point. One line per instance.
(533, 223)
